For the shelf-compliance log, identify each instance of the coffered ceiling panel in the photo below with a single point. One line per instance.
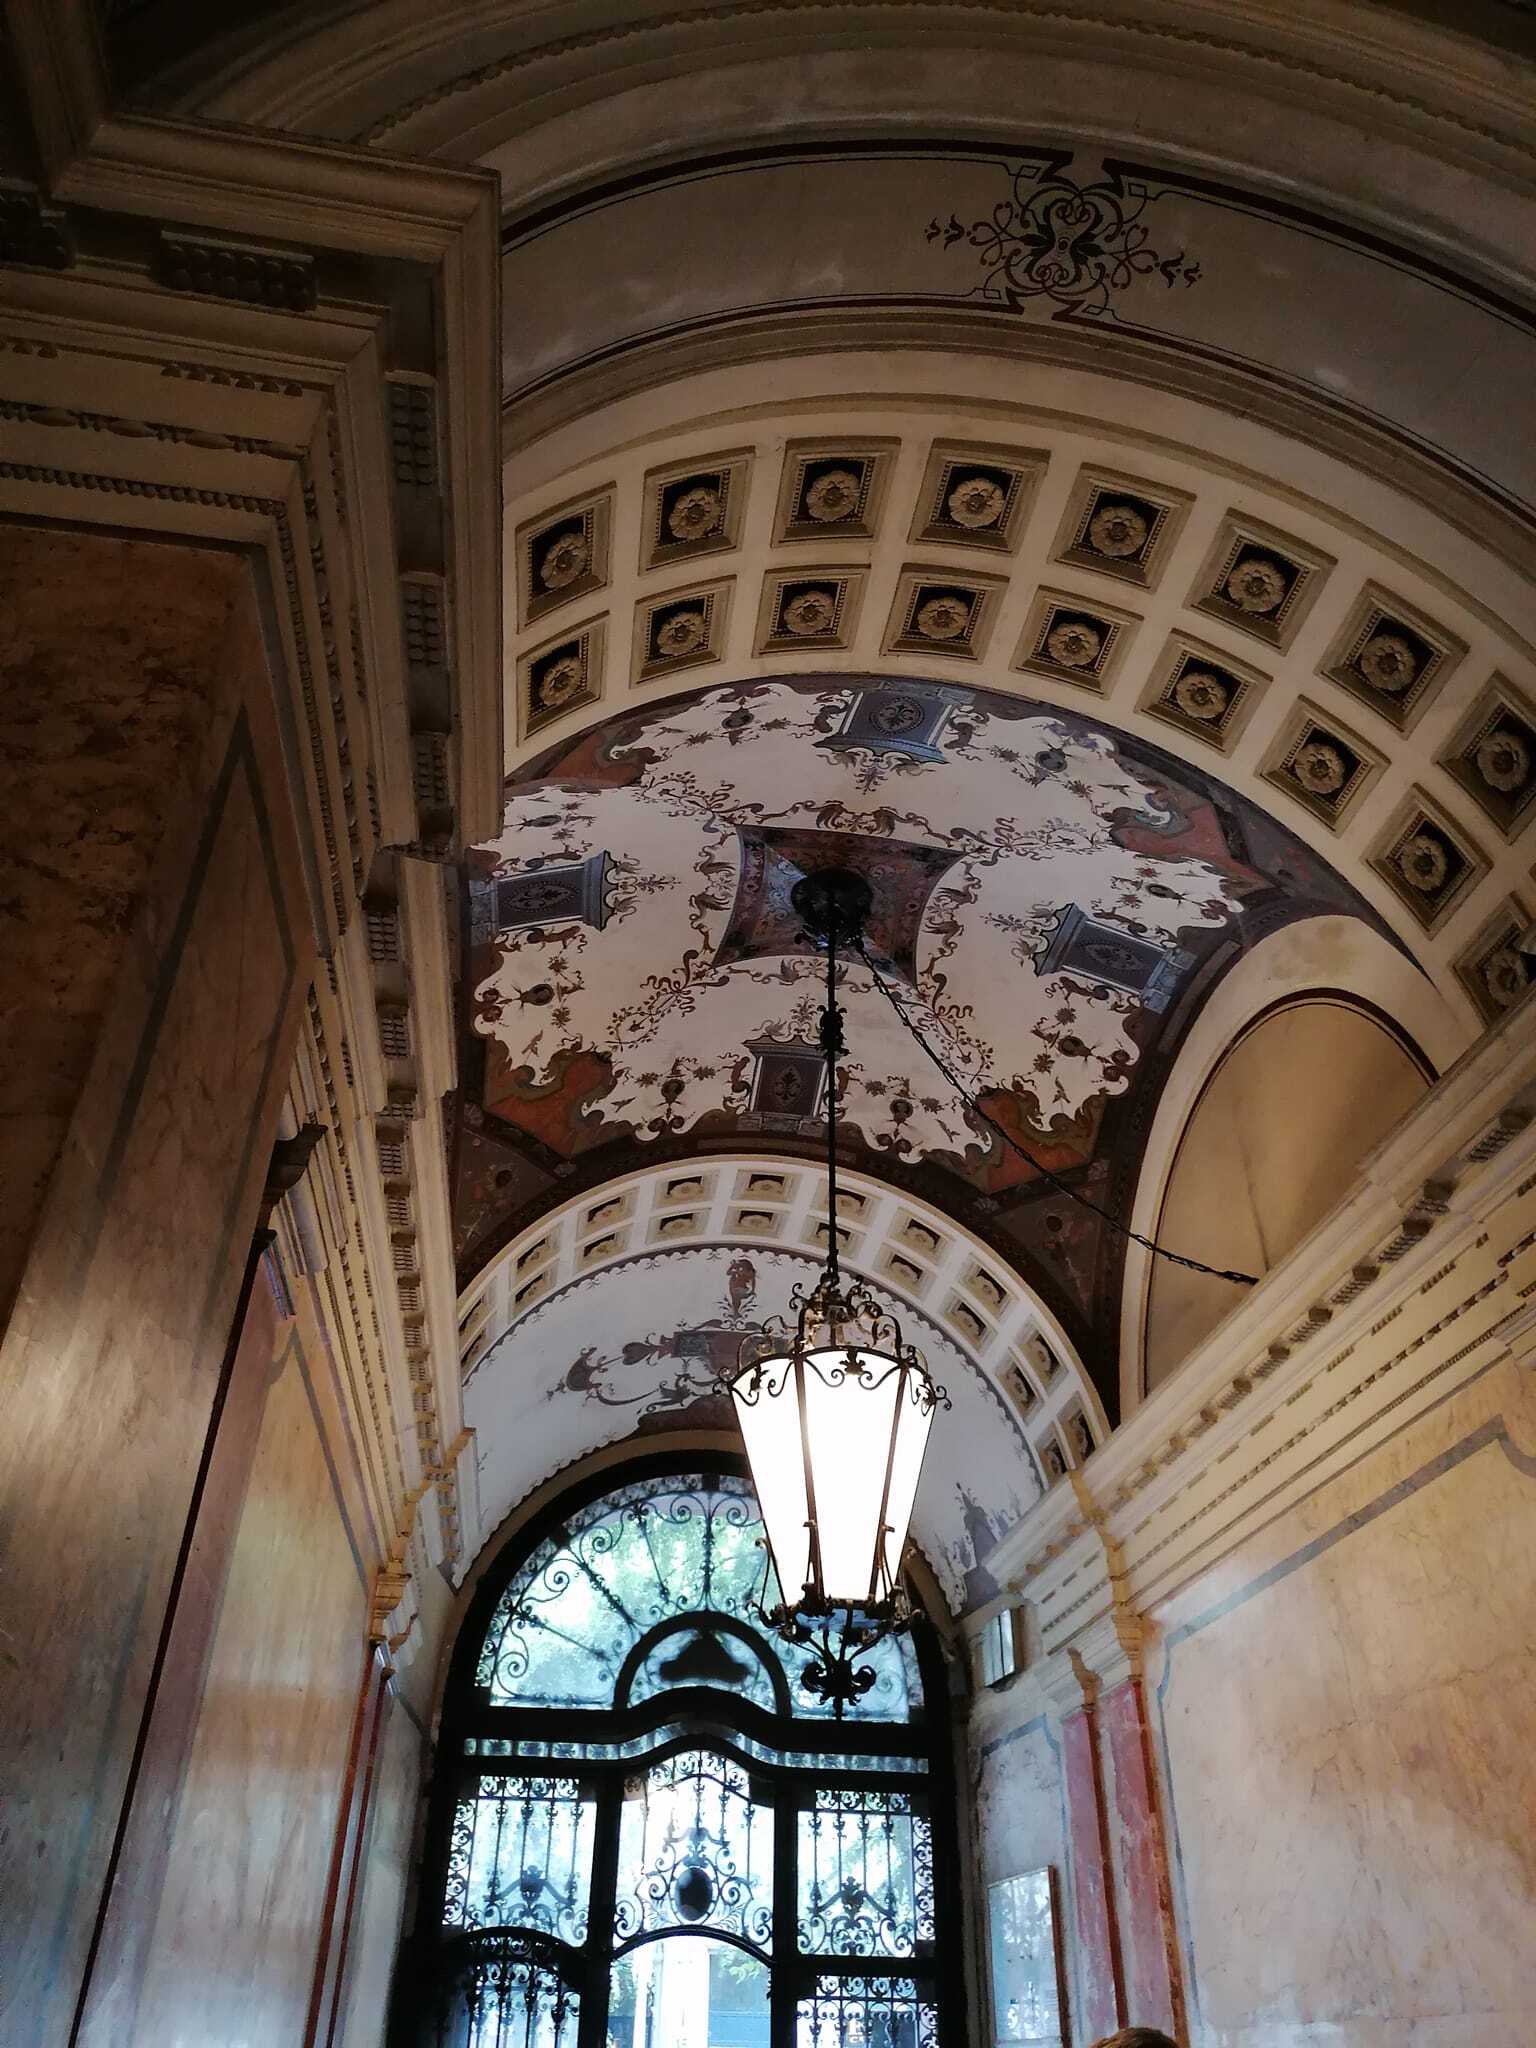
(1311, 646)
(614, 1317)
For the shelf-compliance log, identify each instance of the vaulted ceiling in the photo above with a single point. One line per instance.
(1033, 454)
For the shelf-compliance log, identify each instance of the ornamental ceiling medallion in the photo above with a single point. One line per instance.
(1045, 890)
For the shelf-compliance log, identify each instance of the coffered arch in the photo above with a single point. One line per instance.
(618, 1311)
(1357, 761)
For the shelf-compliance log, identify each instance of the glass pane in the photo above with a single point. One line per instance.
(695, 1850)
(503, 1997)
(652, 1550)
(1026, 1982)
(866, 2012)
(682, 1992)
(865, 1876)
(520, 1855)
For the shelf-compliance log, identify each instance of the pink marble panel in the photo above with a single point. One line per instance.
(1149, 1949)
(1099, 1994)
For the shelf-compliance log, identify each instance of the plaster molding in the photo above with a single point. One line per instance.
(1408, 71)
(267, 429)
(393, 229)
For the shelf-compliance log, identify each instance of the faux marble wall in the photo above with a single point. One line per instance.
(1018, 1780)
(233, 1956)
(111, 1362)
(1345, 1719)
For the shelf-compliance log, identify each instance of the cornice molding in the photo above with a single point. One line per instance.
(1411, 70)
(1435, 1244)
(343, 435)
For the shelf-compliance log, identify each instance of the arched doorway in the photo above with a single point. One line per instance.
(646, 1832)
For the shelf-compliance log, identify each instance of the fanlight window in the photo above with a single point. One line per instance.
(565, 1630)
(648, 1834)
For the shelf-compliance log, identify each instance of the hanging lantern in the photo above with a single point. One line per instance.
(835, 1410)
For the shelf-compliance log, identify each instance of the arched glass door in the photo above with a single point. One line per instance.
(646, 1833)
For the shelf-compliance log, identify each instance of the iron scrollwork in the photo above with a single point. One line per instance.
(698, 1853)
(875, 2012)
(866, 1875)
(505, 1992)
(520, 1855)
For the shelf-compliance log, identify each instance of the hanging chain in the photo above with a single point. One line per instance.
(831, 1051)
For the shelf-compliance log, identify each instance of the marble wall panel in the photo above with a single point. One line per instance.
(1096, 1952)
(112, 1357)
(251, 1863)
(1345, 1721)
(386, 1868)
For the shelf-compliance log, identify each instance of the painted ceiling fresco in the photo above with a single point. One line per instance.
(1051, 899)
(639, 1347)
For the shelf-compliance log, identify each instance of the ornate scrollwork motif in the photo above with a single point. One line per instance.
(886, 2012)
(696, 1850)
(506, 1989)
(866, 1875)
(1077, 245)
(520, 1855)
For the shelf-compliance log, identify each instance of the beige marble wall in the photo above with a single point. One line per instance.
(1346, 1721)
(387, 1859)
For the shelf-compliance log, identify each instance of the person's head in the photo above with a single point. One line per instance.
(1137, 2037)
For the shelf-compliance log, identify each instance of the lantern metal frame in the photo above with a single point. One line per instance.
(844, 1318)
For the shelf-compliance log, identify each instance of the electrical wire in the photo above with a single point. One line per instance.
(973, 1105)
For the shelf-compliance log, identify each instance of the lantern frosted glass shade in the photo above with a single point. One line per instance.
(835, 1437)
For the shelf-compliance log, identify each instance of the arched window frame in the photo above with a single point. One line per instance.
(787, 1756)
